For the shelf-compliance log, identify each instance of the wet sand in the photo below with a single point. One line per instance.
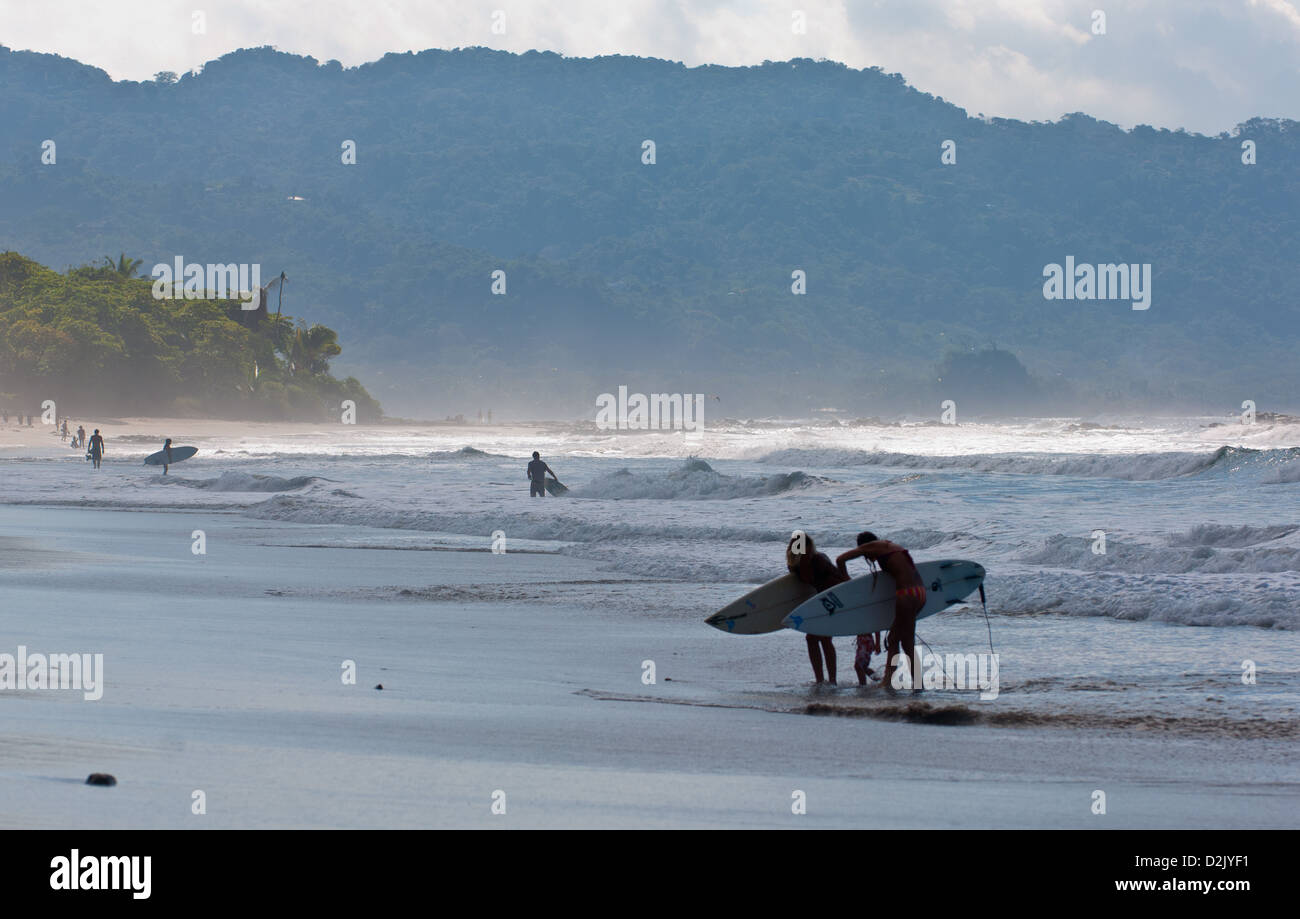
(519, 674)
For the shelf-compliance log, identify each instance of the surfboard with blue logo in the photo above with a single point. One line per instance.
(762, 609)
(866, 603)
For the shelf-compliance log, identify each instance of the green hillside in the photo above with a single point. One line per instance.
(675, 276)
(96, 339)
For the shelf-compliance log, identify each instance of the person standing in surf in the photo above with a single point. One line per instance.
(96, 447)
(167, 454)
(909, 594)
(537, 476)
(816, 569)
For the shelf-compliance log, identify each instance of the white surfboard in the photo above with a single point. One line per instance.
(762, 609)
(178, 454)
(866, 603)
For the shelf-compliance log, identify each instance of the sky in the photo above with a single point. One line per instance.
(1202, 65)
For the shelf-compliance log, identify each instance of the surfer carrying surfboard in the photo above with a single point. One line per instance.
(167, 454)
(96, 448)
(815, 568)
(537, 476)
(909, 592)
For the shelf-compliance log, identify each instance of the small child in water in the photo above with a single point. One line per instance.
(867, 646)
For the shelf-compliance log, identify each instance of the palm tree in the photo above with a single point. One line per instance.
(312, 348)
(280, 332)
(126, 267)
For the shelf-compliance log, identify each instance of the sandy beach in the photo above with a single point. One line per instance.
(135, 434)
(517, 673)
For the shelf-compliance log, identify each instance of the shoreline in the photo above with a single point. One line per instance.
(222, 674)
(150, 429)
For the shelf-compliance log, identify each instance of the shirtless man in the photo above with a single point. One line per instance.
(537, 471)
(96, 448)
(909, 594)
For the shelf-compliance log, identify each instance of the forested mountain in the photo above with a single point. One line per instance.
(676, 276)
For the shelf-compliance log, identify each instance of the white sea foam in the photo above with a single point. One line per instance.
(243, 482)
(694, 480)
(1198, 531)
(1139, 467)
(1223, 535)
(1196, 600)
(1076, 552)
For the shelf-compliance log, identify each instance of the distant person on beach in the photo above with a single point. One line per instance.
(63, 434)
(96, 448)
(537, 471)
(81, 436)
(816, 569)
(167, 454)
(909, 594)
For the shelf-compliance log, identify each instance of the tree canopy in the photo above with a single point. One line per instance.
(96, 339)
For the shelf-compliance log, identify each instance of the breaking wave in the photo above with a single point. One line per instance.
(466, 454)
(694, 479)
(1225, 536)
(1263, 600)
(246, 482)
(1184, 555)
(1281, 466)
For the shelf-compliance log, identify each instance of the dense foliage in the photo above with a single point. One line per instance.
(96, 339)
(674, 276)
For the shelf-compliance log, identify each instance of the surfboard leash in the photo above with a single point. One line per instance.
(989, 625)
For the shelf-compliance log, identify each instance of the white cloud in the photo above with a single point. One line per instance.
(1286, 10)
(1201, 64)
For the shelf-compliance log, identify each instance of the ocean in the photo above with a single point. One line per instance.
(1201, 524)
(1143, 586)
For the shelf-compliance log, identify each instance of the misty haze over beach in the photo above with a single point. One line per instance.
(524, 232)
(419, 415)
